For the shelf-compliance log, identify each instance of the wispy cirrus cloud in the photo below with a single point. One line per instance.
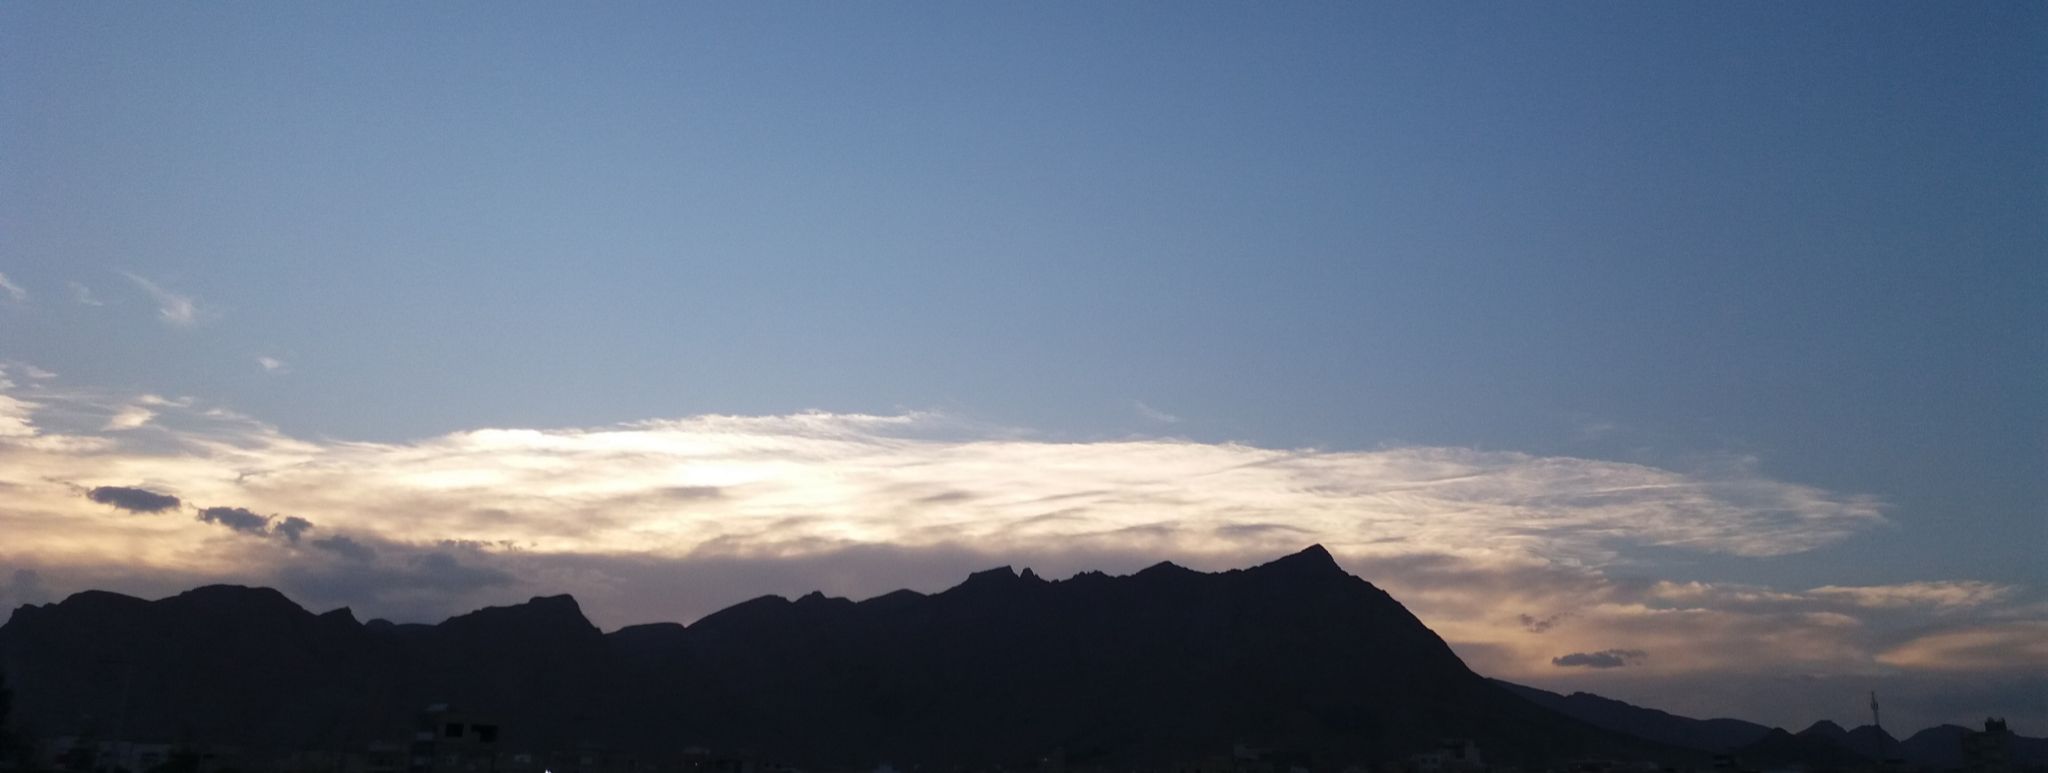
(1153, 414)
(176, 309)
(82, 294)
(923, 480)
(11, 291)
(2020, 646)
(16, 415)
(1935, 594)
(1952, 594)
(1495, 550)
(129, 417)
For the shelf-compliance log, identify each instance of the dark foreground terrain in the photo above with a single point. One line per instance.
(1161, 669)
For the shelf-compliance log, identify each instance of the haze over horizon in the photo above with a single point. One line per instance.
(1692, 356)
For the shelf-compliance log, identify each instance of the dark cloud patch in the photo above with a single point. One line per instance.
(692, 493)
(441, 571)
(1056, 516)
(1247, 530)
(668, 495)
(347, 548)
(134, 500)
(409, 586)
(1601, 659)
(292, 527)
(24, 587)
(478, 545)
(237, 518)
(1534, 624)
(945, 497)
(1161, 531)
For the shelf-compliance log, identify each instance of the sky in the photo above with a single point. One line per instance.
(1694, 355)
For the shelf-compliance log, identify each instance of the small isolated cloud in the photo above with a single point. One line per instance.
(134, 500)
(273, 365)
(13, 291)
(1154, 414)
(83, 295)
(176, 308)
(1534, 624)
(237, 518)
(129, 417)
(1601, 659)
(346, 548)
(292, 527)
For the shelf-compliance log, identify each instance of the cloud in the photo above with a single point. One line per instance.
(1944, 594)
(14, 292)
(672, 519)
(83, 295)
(176, 309)
(134, 500)
(1153, 414)
(1601, 659)
(273, 365)
(346, 548)
(237, 519)
(421, 586)
(15, 416)
(25, 586)
(2015, 647)
(129, 417)
(444, 571)
(292, 527)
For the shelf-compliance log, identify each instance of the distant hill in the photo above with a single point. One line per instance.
(1815, 750)
(1942, 747)
(1707, 735)
(1823, 744)
(1164, 665)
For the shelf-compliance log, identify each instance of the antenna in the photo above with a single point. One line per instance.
(1874, 720)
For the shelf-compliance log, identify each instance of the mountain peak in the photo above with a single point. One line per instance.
(1825, 728)
(236, 599)
(1312, 560)
(999, 577)
(559, 611)
(1165, 569)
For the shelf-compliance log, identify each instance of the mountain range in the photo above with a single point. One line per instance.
(1823, 744)
(1164, 666)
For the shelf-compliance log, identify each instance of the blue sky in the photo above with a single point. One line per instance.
(1791, 243)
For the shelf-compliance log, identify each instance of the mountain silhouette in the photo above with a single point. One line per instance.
(1706, 735)
(1822, 745)
(1779, 748)
(1167, 664)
